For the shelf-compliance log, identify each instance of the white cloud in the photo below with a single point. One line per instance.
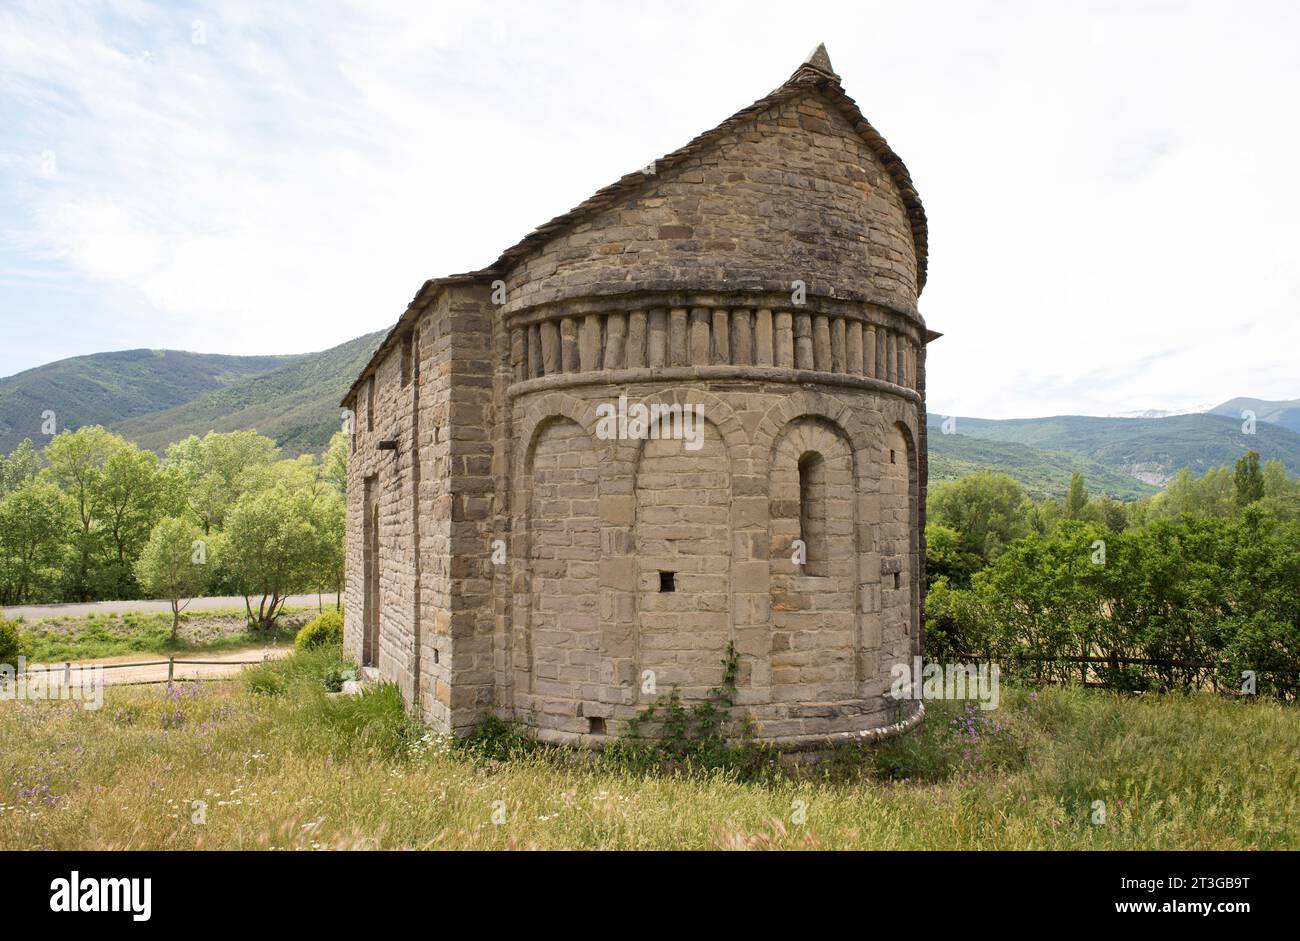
(1111, 188)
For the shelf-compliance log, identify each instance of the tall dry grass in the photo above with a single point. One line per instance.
(272, 762)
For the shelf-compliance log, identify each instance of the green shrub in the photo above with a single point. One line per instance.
(323, 631)
(12, 643)
(493, 739)
(311, 670)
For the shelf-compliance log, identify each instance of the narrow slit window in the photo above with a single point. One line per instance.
(407, 354)
(370, 404)
(812, 512)
(667, 581)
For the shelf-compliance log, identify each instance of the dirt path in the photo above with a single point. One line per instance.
(153, 667)
(36, 611)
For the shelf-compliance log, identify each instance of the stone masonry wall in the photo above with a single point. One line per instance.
(815, 650)
(795, 194)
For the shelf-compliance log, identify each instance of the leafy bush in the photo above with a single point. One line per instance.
(12, 643)
(310, 670)
(704, 737)
(1195, 596)
(323, 631)
(492, 739)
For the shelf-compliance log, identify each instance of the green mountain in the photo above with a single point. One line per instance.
(1151, 450)
(296, 404)
(107, 387)
(1284, 413)
(1042, 473)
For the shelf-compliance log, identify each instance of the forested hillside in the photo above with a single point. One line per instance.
(1152, 450)
(296, 405)
(108, 387)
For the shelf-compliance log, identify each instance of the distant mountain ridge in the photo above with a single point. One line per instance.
(1041, 472)
(157, 397)
(107, 387)
(1285, 413)
(296, 404)
(1145, 450)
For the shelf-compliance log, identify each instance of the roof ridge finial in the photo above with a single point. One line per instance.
(820, 60)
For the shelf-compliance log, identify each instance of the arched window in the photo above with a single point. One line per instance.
(812, 512)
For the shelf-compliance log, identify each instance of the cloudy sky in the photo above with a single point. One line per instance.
(1112, 188)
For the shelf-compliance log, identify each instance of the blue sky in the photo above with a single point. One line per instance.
(1111, 188)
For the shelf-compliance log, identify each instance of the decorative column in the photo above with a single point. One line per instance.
(615, 340)
(677, 337)
(803, 341)
(853, 347)
(700, 336)
(589, 346)
(742, 338)
(534, 351)
(657, 343)
(821, 343)
(784, 351)
(721, 337)
(569, 344)
(519, 353)
(636, 339)
(763, 353)
(551, 358)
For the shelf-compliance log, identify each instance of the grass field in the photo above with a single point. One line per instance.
(278, 764)
(94, 636)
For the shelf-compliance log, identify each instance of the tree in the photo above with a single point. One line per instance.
(1248, 479)
(1278, 483)
(298, 473)
(131, 496)
(329, 518)
(214, 469)
(1110, 512)
(1208, 496)
(171, 566)
(335, 469)
(946, 559)
(1043, 596)
(269, 549)
(954, 626)
(1167, 591)
(118, 494)
(989, 510)
(1077, 499)
(35, 522)
(76, 462)
(1281, 493)
(1263, 632)
(22, 465)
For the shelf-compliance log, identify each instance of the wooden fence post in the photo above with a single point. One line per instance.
(171, 669)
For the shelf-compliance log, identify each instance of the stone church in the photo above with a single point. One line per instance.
(686, 414)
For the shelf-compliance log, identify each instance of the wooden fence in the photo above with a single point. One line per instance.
(170, 663)
(1198, 674)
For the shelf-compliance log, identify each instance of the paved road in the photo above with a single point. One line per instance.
(219, 666)
(33, 612)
